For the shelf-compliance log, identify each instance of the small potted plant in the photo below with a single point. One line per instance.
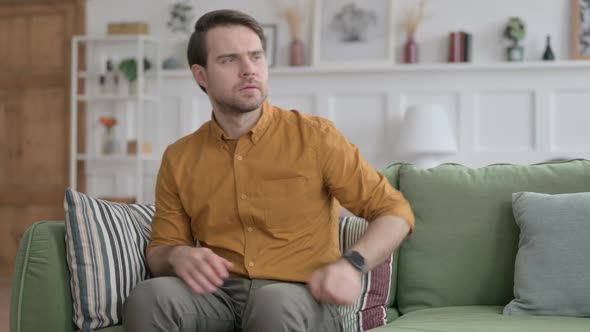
(129, 68)
(109, 142)
(516, 32)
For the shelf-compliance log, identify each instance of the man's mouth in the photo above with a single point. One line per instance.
(249, 88)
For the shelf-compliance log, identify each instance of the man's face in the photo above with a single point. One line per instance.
(236, 76)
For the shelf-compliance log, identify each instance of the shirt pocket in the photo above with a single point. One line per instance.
(284, 200)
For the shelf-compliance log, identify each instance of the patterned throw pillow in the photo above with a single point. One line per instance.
(105, 246)
(369, 311)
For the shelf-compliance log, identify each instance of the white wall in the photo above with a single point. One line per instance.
(484, 18)
(515, 113)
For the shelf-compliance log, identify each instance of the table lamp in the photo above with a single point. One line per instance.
(426, 135)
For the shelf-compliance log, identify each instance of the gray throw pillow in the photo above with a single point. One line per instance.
(552, 271)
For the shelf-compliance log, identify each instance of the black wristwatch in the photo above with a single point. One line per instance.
(356, 260)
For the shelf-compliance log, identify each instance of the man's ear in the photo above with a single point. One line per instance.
(200, 75)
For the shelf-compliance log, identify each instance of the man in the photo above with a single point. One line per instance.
(245, 235)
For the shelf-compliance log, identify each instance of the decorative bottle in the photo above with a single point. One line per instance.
(548, 54)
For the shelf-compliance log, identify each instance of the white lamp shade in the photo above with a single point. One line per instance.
(426, 129)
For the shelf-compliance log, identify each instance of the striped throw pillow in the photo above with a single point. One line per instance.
(369, 311)
(105, 246)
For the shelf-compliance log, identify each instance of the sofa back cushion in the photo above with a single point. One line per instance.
(41, 299)
(392, 174)
(465, 242)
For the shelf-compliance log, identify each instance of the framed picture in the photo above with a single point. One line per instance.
(581, 29)
(270, 33)
(353, 31)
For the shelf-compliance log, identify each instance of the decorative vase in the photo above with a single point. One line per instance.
(548, 55)
(411, 51)
(133, 88)
(515, 53)
(109, 141)
(296, 53)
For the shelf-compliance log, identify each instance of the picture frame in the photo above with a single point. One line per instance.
(353, 32)
(581, 29)
(270, 33)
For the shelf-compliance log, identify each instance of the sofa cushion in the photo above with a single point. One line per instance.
(391, 172)
(481, 319)
(105, 246)
(464, 246)
(41, 281)
(552, 273)
(116, 328)
(370, 309)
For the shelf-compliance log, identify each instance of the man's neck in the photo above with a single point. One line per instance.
(235, 125)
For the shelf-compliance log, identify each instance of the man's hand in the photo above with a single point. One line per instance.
(337, 283)
(200, 268)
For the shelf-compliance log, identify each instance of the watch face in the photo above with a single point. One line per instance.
(357, 260)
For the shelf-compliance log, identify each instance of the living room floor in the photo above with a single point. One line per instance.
(4, 303)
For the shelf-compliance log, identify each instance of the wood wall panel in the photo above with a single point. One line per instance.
(34, 115)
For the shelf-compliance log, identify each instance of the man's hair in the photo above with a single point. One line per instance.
(197, 46)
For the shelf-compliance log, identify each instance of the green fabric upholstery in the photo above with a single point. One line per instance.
(392, 175)
(552, 270)
(481, 319)
(462, 253)
(465, 242)
(116, 328)
(41, 298)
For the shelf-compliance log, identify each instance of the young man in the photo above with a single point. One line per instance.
(245, 236)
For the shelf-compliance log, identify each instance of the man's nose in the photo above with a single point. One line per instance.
(248, 68)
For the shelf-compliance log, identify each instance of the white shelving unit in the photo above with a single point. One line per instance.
(122, 103)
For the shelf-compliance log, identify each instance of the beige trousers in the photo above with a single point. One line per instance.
(167, 304)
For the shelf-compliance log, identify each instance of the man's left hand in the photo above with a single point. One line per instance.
(337, 283)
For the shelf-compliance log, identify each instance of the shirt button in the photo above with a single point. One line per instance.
(243, 196)
(240, 157)
(250, 229)
(251, 264)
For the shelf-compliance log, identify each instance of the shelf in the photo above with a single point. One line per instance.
(117, 38)
(116, 157)
(88, 75)
(108, 97)
(426, 67)
(125, 96)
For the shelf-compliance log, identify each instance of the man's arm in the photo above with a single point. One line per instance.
(366, 193)
(340, 282)
(201, 269)
(158, 259)
(381, 238)
(170, 251)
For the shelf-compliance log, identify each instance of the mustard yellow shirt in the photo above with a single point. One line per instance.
(267, 201)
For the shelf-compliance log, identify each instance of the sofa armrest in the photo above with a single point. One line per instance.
(41, 297)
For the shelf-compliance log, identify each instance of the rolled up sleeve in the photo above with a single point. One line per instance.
(358, 186)
(171, 224)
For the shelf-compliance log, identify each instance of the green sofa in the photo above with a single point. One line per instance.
(455, 273)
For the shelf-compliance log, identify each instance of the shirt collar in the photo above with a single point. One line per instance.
(217, 134)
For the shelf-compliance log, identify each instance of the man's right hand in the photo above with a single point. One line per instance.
(200, 268)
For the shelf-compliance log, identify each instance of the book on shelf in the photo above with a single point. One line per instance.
(460, 46)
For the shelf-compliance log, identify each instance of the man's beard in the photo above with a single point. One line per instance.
(236, 106)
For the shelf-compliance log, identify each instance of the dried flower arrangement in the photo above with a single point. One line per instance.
(293, 11)
(413, 18)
